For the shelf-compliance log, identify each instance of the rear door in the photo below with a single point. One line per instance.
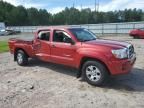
(62, 52)
(42, 45)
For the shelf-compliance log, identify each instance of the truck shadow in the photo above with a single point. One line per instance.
(133, 81)
(54, 67)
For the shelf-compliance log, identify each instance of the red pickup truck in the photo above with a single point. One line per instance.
(96, 59)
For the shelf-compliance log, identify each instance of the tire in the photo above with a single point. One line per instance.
(21, 58)
(95, 73)
(136, 37)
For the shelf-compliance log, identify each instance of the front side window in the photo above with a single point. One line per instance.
(44, 35)
(61, 36)
(83, 34)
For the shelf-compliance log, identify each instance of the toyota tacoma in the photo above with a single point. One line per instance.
(96, 59)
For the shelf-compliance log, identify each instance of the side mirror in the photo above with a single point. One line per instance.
(72, 42)
(69, 40)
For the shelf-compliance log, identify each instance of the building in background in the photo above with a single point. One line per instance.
(2, 25)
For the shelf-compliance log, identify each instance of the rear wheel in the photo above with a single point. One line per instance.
(21, 58)
(95, 73)
(134, 37)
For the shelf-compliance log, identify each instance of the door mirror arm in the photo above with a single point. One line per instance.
(72, 42)
(69, 40)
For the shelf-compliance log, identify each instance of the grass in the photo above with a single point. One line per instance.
(4, 46)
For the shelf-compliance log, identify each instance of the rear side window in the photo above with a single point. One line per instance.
(44, 35)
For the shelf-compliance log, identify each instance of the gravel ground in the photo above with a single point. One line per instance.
(46, 85)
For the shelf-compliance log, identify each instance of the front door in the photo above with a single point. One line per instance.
(62, 52)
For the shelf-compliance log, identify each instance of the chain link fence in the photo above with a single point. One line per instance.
(104, 28)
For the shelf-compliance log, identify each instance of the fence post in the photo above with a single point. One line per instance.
(23, 29)
(116, 29)
(133, 25)
(102, 28)
(88, 26)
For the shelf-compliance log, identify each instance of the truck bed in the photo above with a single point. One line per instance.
(20, 43)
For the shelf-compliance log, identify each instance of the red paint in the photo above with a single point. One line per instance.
(71, 55)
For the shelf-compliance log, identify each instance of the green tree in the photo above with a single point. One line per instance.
(33, 16)
(19, 16)
(44, 17)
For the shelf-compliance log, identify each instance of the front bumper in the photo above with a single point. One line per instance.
(122, 66)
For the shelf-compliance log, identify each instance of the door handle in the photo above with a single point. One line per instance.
(53, 46)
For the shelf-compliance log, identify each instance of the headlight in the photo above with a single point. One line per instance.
(120, 53)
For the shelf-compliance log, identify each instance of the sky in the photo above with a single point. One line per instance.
(55, 6)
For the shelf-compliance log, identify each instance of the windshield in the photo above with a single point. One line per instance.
(83, 34)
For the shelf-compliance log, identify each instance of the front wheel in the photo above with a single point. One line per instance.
(95, 73)
(22, 58)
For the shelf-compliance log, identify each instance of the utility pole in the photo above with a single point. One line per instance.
(96, 9)
(73, 4)
(81, 7)
(95, 4)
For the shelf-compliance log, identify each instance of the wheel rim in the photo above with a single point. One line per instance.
(93, 73)
(19, 58)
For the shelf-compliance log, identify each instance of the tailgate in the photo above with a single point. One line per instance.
(11, 43)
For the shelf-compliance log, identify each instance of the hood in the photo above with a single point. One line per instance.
(108, 43)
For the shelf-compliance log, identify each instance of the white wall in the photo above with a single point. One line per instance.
(2, 25)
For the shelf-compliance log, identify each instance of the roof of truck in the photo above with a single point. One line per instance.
(58, 27)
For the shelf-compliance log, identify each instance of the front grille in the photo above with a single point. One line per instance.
(131, 51)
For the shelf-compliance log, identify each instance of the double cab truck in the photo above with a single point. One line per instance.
(96, 59)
